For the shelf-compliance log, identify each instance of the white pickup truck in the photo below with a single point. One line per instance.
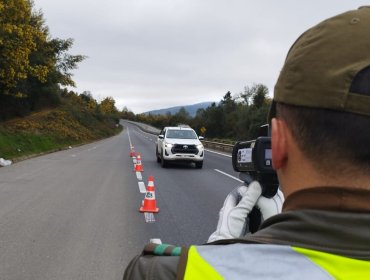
(179, 144)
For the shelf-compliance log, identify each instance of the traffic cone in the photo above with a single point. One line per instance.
(150, 204)
(138, 165)
(132, 153)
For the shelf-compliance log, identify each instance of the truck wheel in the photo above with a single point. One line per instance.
(157, 155)
(199, 164)
(163, 161)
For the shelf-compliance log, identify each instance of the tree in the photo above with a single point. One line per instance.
(228, 103)
(107, 106)
(259, 97)
(255, 95)
(127, 114)
(17, 42)
(181, 117)
(226, 119)
(65, 61)
(228, 106)
(248, 92)
(214, 120)
(33, 65)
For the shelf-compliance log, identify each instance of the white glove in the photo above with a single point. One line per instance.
(270, 206)
(238, 204)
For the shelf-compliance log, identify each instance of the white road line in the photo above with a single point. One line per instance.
(129, 138)
(228, 175)
(221, 154)
(142, 187)
(149, 217)
(138, 176)
(155, 241)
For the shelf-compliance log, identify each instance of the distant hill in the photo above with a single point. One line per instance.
(191, 109)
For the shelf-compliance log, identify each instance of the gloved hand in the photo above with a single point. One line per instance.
(238, 204)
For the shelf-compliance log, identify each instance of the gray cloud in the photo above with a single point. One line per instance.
(151, 54)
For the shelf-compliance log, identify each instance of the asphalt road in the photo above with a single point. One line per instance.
(74, 214)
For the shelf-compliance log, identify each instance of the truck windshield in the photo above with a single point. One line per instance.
(181, 134)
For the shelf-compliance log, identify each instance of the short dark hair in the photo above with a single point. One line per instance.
(333, 141)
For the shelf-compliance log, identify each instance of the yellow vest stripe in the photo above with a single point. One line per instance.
(198, 268)
(337, 266)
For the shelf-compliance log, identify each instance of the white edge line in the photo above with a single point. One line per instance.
(228, 175)
(138, 176)
(129, 138)
(149, 217)
(142, 188)
(218, 153)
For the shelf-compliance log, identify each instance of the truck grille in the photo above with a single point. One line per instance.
(184, 149)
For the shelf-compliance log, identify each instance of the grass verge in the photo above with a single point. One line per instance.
(52, 130)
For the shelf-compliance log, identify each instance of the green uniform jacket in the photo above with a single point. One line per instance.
(330, 227)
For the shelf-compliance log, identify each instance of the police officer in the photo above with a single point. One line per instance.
(320, 121)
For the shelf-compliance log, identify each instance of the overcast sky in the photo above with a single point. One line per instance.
(153, 54)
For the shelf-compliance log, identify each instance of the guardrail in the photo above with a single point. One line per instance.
(147, 128)
(228, 148)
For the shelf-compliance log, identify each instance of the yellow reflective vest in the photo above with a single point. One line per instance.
(266, 261)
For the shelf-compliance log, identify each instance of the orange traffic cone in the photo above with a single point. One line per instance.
(150, 204)
(138, 165)
(132, 153)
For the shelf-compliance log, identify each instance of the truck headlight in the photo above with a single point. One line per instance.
(168, 145)
(200, 146)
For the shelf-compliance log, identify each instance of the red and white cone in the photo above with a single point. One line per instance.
(150, 204)
(138, 165)
(132, 152)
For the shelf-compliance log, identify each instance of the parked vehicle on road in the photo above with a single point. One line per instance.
(180, 143)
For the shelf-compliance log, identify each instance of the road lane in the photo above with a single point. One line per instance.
(70, 215)
(189, 199)
(74, 214)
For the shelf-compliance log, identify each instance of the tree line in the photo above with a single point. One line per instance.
(235, 117)
(35, 70)
(33, 66)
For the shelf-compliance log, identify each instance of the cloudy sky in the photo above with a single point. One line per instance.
(152, 54)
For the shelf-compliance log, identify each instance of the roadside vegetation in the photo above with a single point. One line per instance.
(74, 122)
(37, 111)
(235, 117)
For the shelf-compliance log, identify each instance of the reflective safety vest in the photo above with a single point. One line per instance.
(265, 261)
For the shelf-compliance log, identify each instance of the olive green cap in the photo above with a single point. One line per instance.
(329, 66)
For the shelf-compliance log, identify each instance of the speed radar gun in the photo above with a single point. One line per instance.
(253, 159)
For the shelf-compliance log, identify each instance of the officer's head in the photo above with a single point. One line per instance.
(321, 106)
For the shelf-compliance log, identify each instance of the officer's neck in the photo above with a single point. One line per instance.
(299, 173)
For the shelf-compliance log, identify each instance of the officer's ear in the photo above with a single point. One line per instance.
(279, 145)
